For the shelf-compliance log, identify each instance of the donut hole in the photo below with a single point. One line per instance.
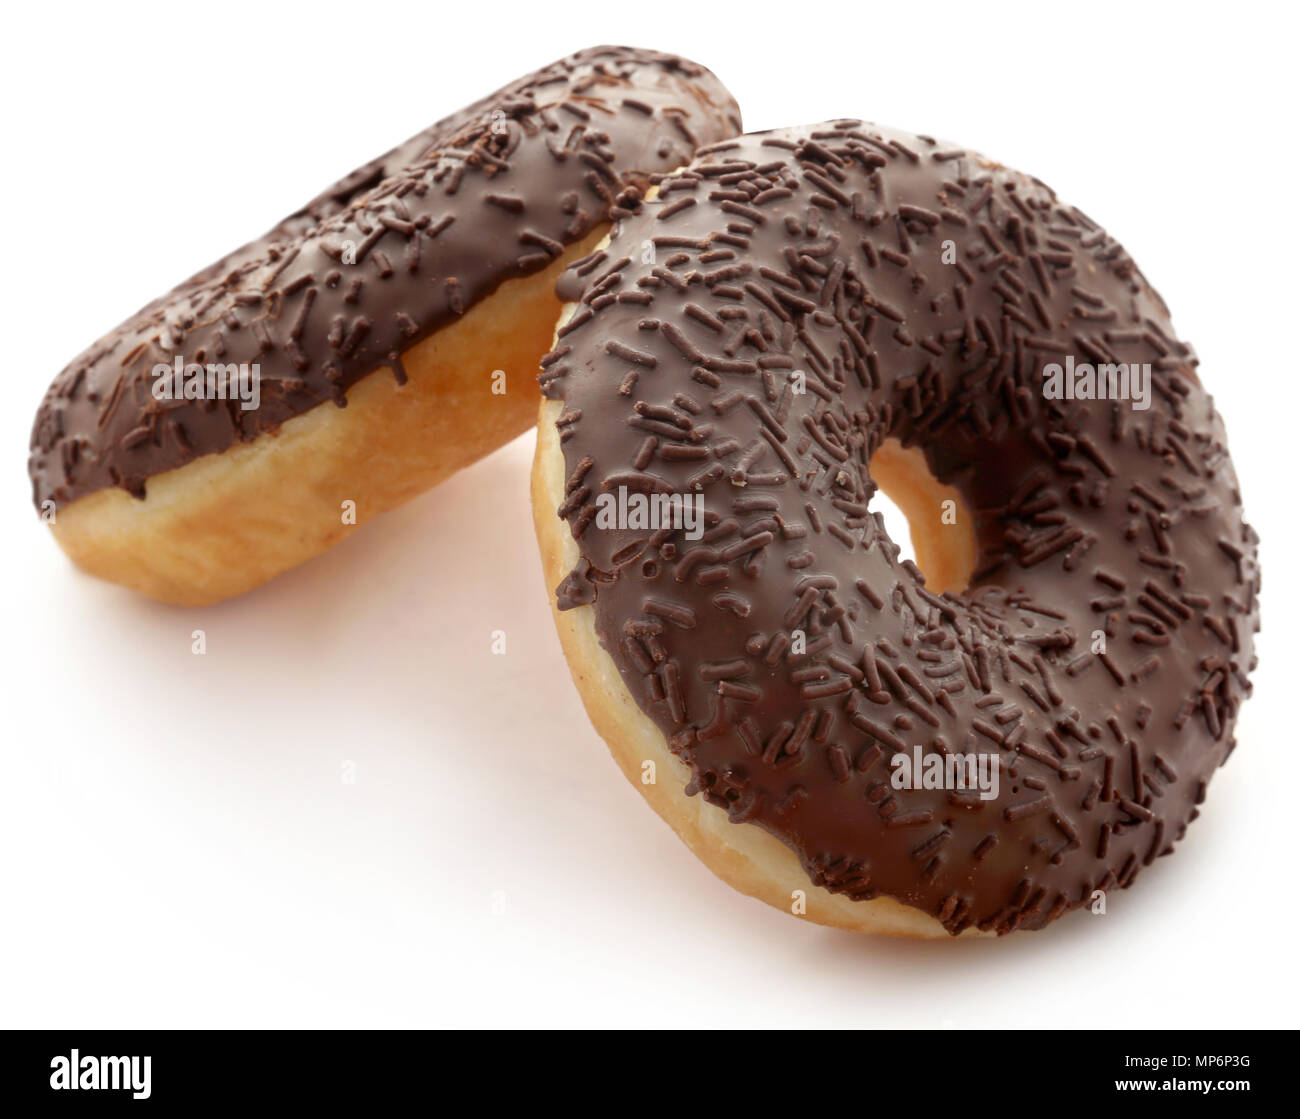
(929, 521)
(896, 524)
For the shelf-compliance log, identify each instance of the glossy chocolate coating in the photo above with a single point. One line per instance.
(378, 261)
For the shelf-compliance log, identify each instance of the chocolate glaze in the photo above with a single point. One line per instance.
(495, 191)
(822, 249)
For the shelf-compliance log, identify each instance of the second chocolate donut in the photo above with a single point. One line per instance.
(370, 345)
(827, 729)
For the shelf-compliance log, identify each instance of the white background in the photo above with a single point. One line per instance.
(177, 845)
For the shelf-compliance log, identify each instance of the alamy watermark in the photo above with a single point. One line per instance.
(1107, 381)
(978, 772)
(651, 512)
(191, 381)
(114, 1074)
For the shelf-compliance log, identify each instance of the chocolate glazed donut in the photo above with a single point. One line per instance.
(811, 294)
(398, 292)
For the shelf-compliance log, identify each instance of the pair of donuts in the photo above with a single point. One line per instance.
(387, 335)
(755, 334)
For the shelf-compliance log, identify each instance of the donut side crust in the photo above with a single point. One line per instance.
(743, 855)
(225, 523)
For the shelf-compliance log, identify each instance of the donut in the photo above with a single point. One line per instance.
(793, 319)
(371, 344)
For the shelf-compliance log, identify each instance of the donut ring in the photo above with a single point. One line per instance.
(782, 663)
(433, 266)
